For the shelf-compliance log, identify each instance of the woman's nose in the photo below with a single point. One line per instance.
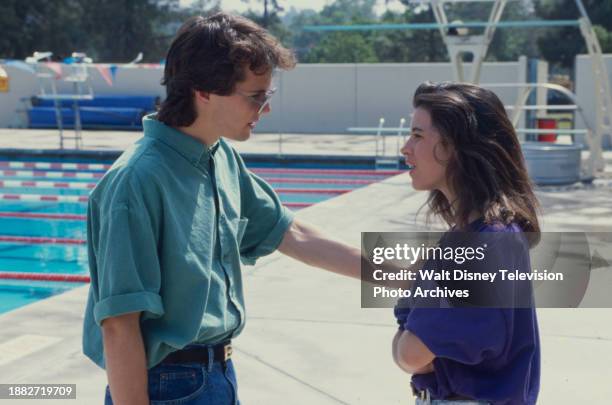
(407, 148)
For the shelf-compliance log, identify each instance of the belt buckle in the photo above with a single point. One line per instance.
(227, 352)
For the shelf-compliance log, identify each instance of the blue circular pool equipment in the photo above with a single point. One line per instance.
(552, 164)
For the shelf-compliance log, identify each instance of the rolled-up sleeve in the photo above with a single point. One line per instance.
(124, 264)
(268, 219)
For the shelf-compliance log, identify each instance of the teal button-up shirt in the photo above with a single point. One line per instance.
(167, 229)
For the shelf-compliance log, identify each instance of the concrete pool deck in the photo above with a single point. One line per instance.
(307, 338)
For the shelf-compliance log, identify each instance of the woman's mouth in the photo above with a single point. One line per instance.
(253, 124)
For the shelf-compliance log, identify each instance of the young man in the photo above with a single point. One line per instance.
(173, 218)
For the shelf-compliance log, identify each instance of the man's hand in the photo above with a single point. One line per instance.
(126, 364)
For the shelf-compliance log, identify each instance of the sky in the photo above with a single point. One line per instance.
(317, 5)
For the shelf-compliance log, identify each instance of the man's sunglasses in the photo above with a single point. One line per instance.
(260, 99)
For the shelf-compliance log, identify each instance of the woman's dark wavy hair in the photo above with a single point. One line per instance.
(210, 54)
(486, 170)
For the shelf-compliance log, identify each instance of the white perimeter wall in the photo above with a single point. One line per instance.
(313, 98)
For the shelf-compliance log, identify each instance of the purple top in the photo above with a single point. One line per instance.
(488, 354)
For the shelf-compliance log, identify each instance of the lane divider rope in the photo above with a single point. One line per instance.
(330, 171)
(311, 190)
(45, 198)
(37, 215)
(42, 240)
(71, 278)
(319, 181)
(47, 184)
(77, 217)
(55, 165)
(81, 199)
(82, 185)
(51, 174)
(99, 169)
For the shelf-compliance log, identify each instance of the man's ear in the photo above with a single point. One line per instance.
(202, 96)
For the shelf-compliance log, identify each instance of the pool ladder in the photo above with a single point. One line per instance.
(383, 159)
(81, 90)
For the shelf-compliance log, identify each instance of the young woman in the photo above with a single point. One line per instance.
(465, 152)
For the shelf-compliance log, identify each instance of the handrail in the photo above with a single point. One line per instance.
(430, 26)
(528, 88)
(560, 131)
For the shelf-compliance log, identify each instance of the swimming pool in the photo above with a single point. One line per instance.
(43, 210)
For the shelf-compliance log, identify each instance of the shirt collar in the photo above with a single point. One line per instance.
(189, 147)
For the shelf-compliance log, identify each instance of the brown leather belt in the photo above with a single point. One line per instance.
(221, 353)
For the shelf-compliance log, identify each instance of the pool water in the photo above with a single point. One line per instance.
(29, 220)
(17, 294)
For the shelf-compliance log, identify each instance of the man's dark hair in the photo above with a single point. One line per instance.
(211, 54)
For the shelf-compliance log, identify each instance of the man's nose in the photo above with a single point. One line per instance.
(266, 109)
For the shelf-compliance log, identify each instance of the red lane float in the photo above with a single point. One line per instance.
(55, 166)
(70, 278)
(329, 171)
(76, 199)
(104, 167)
(83, 199)
(297, 205)
(50, 174)
(277, 172)
(42, 240)
(36, 215)
(79, 185)
(298, 180)
(45, 198)
(311, 191)
(46, 184)
(85, 186)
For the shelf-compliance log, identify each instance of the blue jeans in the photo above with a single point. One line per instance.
(191, 384)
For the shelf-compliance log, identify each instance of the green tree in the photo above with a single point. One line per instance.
(410, 45)
(40, 25)
(107, 30)
(274, 25)
(428, 45)
(336, 47)
(561, 45)
(271, 10)
(342, 47)
(510, 43)
(120, 36)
